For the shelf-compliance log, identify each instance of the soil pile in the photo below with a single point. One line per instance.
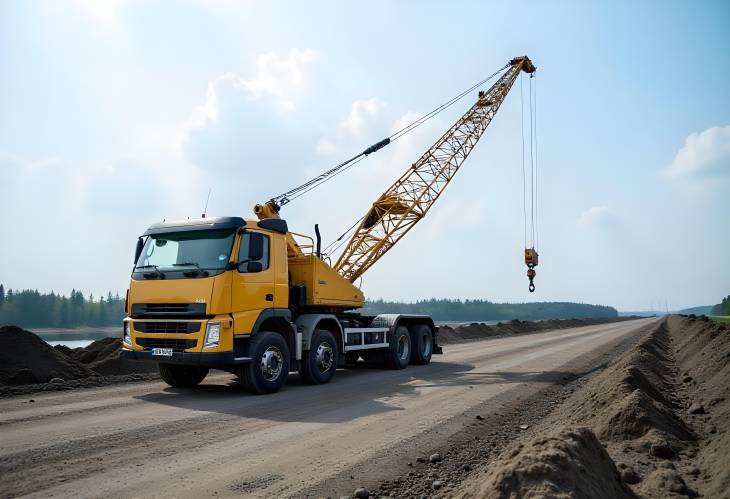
(105, 357)
(660, 412)
(702, 350)
(25, 359)
(479, 331)
(567, 463)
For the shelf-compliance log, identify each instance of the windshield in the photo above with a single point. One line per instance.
(200, 249)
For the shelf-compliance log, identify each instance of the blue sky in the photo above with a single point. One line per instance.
(118, 114)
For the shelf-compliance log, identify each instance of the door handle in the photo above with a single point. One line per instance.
(269, 297)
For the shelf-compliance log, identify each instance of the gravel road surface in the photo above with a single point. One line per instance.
(149, 440)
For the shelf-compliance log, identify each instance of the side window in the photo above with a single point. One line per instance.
(243, 251)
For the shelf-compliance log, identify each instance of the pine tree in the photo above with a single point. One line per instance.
(2, 295)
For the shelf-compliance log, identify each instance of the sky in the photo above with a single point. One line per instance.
(117, 114)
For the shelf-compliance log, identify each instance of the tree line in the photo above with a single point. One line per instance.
(722, 308)
(484, 310)
(30, 308)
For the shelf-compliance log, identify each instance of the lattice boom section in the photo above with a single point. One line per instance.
(399, 208)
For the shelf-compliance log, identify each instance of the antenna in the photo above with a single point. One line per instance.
(205, 210)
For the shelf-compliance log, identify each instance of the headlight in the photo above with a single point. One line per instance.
(212, 334)
(127, 336)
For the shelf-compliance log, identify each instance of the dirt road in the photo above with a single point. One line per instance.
(149, 440)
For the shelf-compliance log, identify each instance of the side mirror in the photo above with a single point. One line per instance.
(254, 267)
(138, 250)
(256, 246)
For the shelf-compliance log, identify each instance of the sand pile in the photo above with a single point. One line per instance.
(660, 411)
(26, 359)
(478, 330)
(567, 463)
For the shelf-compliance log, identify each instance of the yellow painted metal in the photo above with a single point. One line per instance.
(266, 210)
(531, 257)
(325, 287)
(410, 197)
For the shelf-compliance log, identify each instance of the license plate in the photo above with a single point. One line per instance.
(165, 352)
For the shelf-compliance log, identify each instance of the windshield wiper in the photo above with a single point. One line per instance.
(192, 273)
(150, 275)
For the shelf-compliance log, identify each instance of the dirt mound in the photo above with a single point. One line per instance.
(660, 411)
(564, 464)
(26, 358)
(635, 394)
(479, 330)
(702, 349)
(108, 360)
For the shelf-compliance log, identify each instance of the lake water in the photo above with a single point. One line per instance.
(72, 343)
(77, 337)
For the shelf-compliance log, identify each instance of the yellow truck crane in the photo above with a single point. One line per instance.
(252, 298)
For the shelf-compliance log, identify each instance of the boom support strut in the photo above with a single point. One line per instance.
(408, 200)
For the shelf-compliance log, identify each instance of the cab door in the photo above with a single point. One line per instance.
(253, 281)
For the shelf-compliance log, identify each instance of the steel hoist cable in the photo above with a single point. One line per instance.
(290, 195)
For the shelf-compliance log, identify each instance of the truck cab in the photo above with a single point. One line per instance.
(242, 296)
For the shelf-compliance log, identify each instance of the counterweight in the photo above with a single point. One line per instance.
(410, 197)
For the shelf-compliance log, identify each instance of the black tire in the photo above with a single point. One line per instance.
(268, 370)
(319, 363)
(399, 354)
(422, 341)
(182, 376)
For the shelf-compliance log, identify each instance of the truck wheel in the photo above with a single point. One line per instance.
(399, 354)
(422, 338)
(182, 376)
(268, 370)
(320, 361)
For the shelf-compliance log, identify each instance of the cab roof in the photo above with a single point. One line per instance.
(215, 223)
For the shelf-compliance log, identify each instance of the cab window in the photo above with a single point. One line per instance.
(243, 252)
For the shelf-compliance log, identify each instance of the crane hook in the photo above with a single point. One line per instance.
(531, 275)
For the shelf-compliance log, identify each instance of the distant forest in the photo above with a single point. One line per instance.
(722, 308)
(483, 310)
(30, 308)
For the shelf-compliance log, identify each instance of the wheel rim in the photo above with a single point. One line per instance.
(271, 363)
(427, 342)
(404, 347)
(325, 357)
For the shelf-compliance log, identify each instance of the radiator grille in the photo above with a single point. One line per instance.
(167, 327)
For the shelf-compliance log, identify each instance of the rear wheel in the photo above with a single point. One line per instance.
(399, 354)
(182, 376)
(422, 339)
(320, 361)
(268, 370)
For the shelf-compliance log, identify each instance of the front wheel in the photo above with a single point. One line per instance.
(182, 376)
(320, 361)
(269, 368)
(399, 353)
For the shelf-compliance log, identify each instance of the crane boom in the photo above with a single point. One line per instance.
(410, 197)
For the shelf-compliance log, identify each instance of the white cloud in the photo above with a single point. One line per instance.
(704, 153)
(276, 77)
(595, 216)
(360, 113)
(325, 147)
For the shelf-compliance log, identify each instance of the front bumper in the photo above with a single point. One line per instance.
(208, 359)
